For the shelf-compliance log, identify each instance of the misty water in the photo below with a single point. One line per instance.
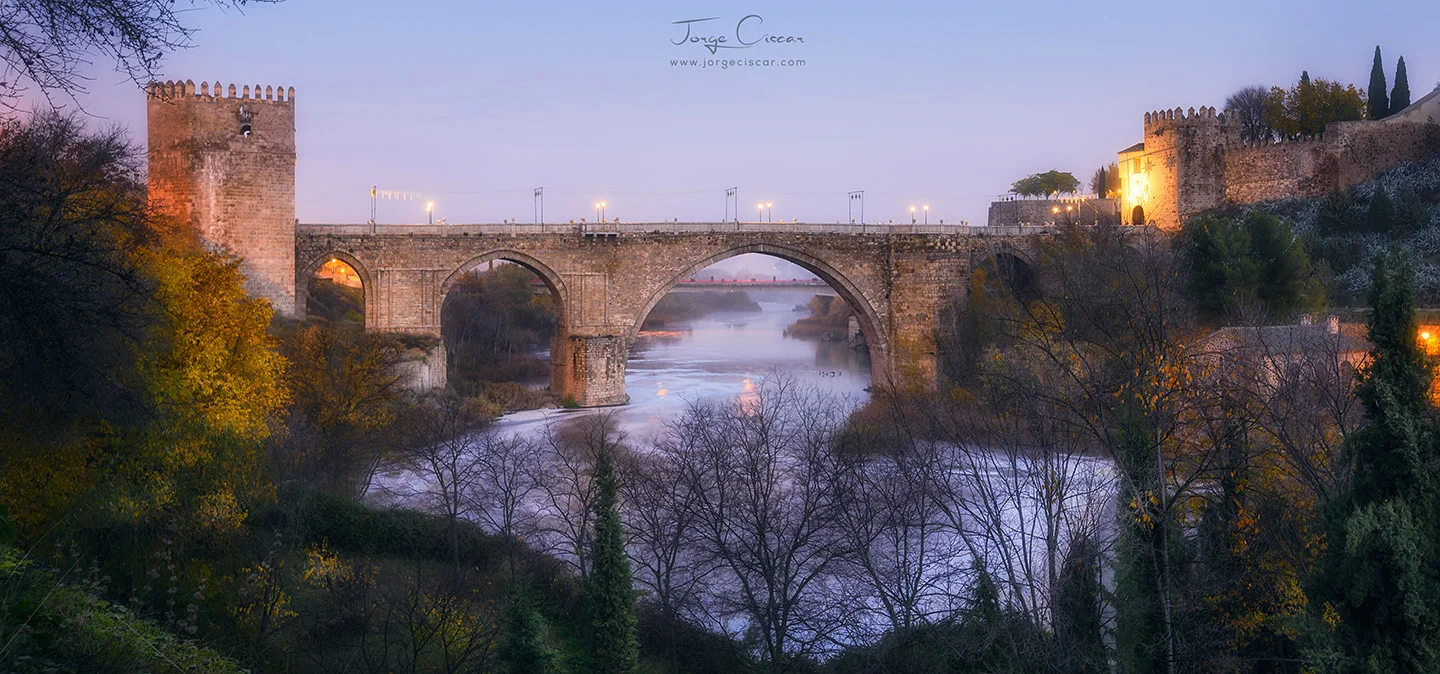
(726, 355)
(721, 356)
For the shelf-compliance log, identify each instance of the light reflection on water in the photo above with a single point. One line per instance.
(723, 356)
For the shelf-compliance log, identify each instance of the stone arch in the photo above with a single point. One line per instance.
(559, 366)
(1017, 272)
(871, 325)
(1137, 215)
(552, 281)
(306, 272)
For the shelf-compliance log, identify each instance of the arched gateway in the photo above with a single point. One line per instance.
(897, 279)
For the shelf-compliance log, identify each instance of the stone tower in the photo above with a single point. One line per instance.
(1178, 170)
(224, 162)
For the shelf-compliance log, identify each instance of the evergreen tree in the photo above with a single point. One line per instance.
(1077, 623)
(1381, 216)
(1304, 79)
(1337, 214)
(608, 594)
(1379, 104)
(1233, 264)
(1101, 185)
(522, 648)
(1400, 96)
(1379, 572)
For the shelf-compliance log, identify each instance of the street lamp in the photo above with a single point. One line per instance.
(760, 212)
(769, 214)
(912, 215)
(927, 214)
(600, 211)
(430, 211)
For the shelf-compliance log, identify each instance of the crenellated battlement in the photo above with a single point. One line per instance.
(1179, 116)
(178, 89)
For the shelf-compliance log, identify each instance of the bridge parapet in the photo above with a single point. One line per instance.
(612, 228)
(897, 278)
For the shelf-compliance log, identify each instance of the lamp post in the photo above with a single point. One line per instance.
(1069, 218)
(430, 211)
(927, 214)
(912, 215)
(769, 212)
(600, 211)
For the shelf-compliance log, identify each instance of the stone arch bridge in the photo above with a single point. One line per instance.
(607, 277)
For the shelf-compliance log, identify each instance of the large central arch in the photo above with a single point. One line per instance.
(871, 324)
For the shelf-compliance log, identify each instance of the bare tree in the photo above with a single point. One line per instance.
(443, 438)
(566, 486)
(506, 485)
(765, 490)
(48, 44)
(1248, 108)
(663, 543)
(903, 568)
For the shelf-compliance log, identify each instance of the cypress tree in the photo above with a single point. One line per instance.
(1078, 625)
(1379, 104)
(1381, 216)
(522, 648)
(608, 595)
(1378, 573)
(1100, 186)
(1400, 96)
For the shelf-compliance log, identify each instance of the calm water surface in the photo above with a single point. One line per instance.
(722, 356)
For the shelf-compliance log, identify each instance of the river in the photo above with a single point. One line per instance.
(721, 356)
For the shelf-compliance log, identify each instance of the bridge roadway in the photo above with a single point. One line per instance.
(607, 276)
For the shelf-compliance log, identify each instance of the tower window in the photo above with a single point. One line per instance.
(244, 116)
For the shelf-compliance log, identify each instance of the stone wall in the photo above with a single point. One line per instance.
(225, 164)
(1348, 154)
(606, 283)
(1192, 160)
(1013, 212)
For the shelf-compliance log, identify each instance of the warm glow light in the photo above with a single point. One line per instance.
(768, 204)
(1055, 209)
(1069, 208)
(912, 209)
(927, 207)
(429, 206)
(1425, 335)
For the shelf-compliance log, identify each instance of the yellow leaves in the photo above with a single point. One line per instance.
(212, 359)
(1329, 615)
(221, 512)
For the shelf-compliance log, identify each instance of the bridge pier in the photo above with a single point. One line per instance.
(591, 370)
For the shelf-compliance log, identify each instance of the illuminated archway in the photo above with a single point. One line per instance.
(311, 271)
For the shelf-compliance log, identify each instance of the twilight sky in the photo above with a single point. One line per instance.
(474, 104)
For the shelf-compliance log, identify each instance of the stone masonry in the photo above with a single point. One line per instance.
(605, 283)
(223, 161)
(1193, 160)
(225, 164)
